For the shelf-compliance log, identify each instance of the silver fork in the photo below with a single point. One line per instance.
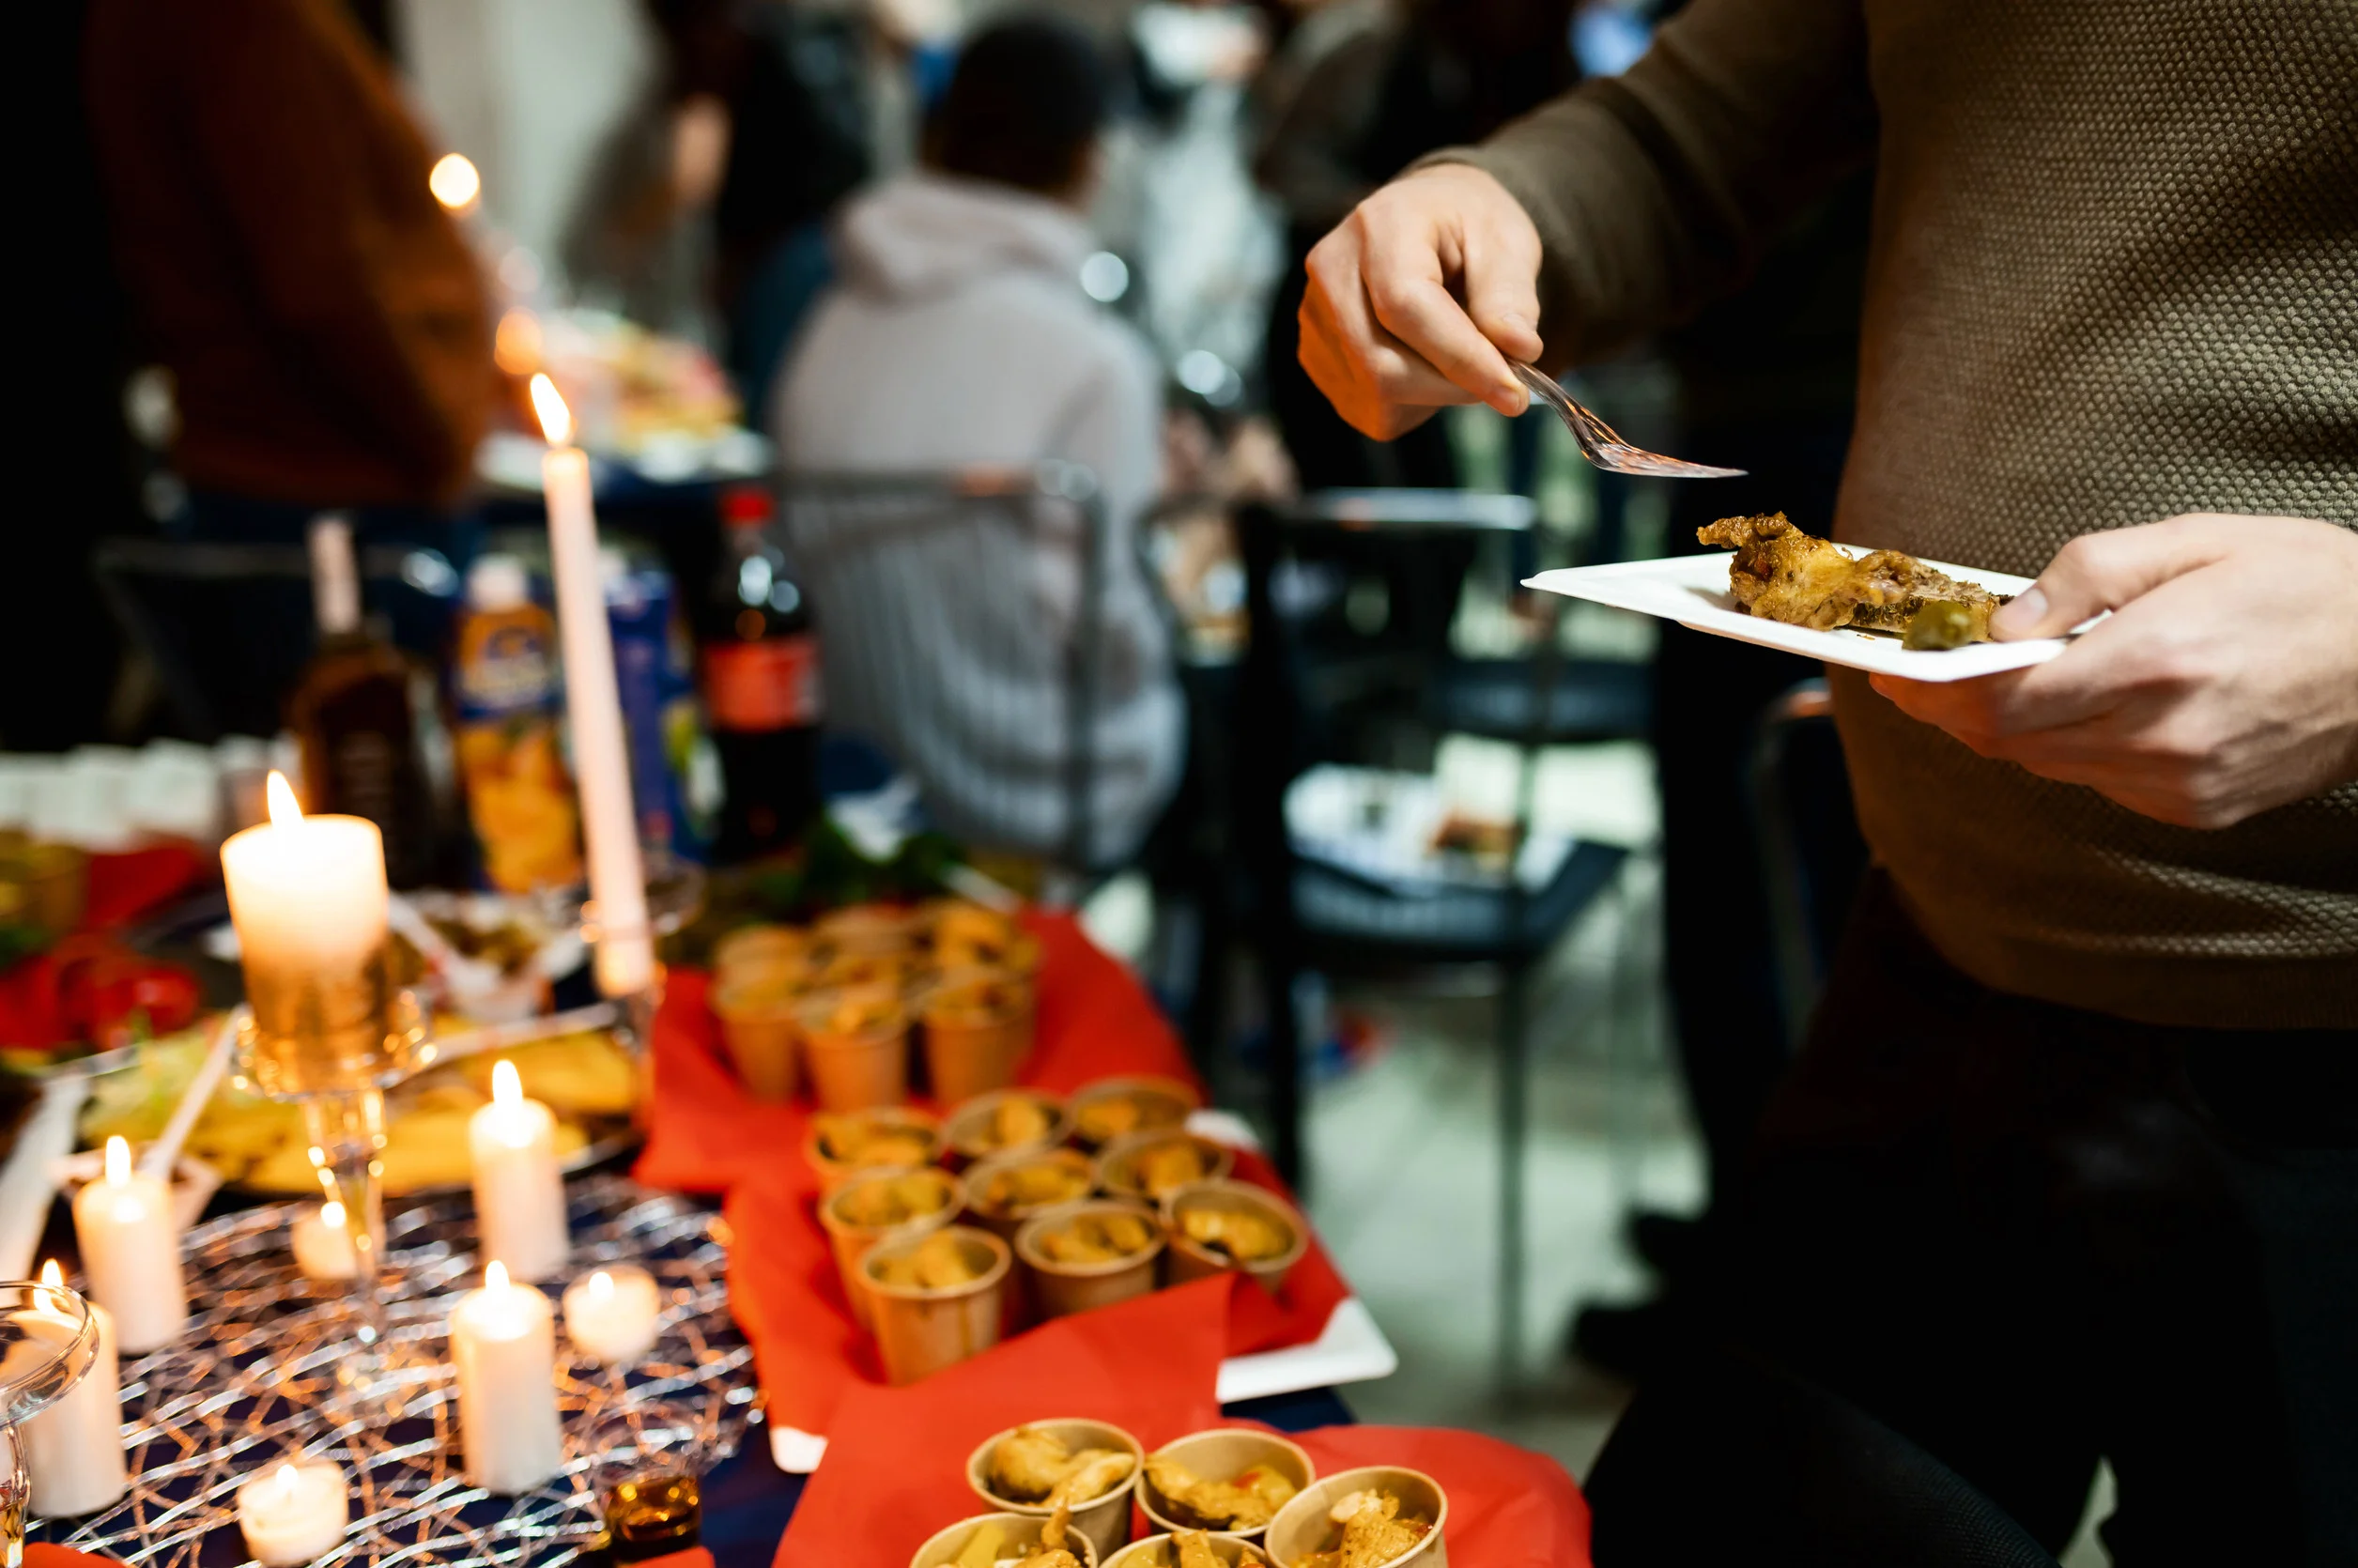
(1598, 443)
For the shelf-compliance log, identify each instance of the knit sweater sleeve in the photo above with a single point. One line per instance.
(1655, 191)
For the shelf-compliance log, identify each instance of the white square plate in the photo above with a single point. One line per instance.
(1692, 590)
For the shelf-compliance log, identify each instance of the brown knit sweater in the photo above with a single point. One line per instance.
(265, 188)
(2114, 277)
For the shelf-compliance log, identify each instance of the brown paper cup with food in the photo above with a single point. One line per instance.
(971, 1129)
(977, 1033)
(1113, 1107)
(1223, 1454)
(868, 929)
(1059, 1289)
(1105, 1520)
(919, 1332)
(1162, 1551)
(761, 1023)
(1305, 1525)
(1006, 1217)
(756, 951)
(853, 1241)
(1126, 1167)
(1193, 1260)
(836, 1165)
(1022, 1535)
(857, 1045)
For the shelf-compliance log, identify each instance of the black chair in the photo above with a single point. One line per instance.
(1314, 916)
(1728, 1460)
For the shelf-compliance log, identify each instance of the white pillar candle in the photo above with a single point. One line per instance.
(503, 1342)
(519, 1191)
(294, 1513)
(323, 1247)
(611, 1316)
(131, 1248)
(307, 894)
(74, 1449)
(601, 759)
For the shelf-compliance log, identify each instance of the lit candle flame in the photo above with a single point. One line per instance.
(601, 1284)
(507, 1087)
(454, 182)
(117, 1163)
(495, 1276)
(284, 810)
(556, 420)
(285, 1481)
(332, 1215)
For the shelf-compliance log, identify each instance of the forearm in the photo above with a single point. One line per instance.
(1654, 191)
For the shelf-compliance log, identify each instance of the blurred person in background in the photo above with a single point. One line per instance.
(958, 335)
(322, 317)
(640, 241)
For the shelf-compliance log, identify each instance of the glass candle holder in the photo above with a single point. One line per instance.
(48, 1339)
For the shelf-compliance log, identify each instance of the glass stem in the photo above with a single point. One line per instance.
(347, 1141)
(16, 1494)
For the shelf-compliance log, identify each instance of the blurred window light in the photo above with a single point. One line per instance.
(454, 182)
(515, 343)
(1209, 378)
(1608, 37)
(1104, 277)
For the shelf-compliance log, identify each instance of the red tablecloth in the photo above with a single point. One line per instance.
(895, 1469)
(1095, 1021)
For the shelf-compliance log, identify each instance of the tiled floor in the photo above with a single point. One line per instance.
(1404, 1172)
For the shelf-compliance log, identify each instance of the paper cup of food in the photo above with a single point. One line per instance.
(868, 929)
(1230, 1480)
(937, 1298)
(857, 1044)
(1113, 1107)
(990, 1539)
(968, 936)
(1217, 1226)
(1006, 1191)
(761, 1023)
(1189, 1549)
(977, 1031)
(841, 1144)
(1089, 1466)
(1375, 1516)
(893, 972)
(1151, 1166)
(876, 1207)
(1090, 1255)
(1005, 1121)
(753, 950)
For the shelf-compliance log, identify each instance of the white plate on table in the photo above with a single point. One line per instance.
(1352, 1349)
(1692, 590)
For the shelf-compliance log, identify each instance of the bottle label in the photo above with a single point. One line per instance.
(508, 670)
(764, 686)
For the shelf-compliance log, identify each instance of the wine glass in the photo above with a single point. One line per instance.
(48, 1338)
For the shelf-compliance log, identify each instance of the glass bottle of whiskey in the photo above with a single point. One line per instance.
(352, 718)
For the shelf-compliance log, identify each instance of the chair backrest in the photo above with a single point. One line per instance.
(962, 616)
(228, 626)
(1731, 1461)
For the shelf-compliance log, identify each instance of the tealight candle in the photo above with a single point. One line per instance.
(131, 1248)
(295, 1513)
(74, 1449)
(323, 1247)
(519, 1191)
(504, 1343)
(612, 1316)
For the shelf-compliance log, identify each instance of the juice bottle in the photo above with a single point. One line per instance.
(519, 797)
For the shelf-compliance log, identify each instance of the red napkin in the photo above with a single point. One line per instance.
(895, 1466)
(787, 1296)
(125, 886)
(1508, 1507)
(704, 1135)
(41, 1554)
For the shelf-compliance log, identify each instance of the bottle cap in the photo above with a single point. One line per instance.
(745, 506)
(497, 583)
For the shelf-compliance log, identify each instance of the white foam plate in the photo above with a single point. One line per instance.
(1692, 590)
(1353, 1349)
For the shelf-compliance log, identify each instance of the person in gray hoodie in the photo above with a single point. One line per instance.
(958, 335)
